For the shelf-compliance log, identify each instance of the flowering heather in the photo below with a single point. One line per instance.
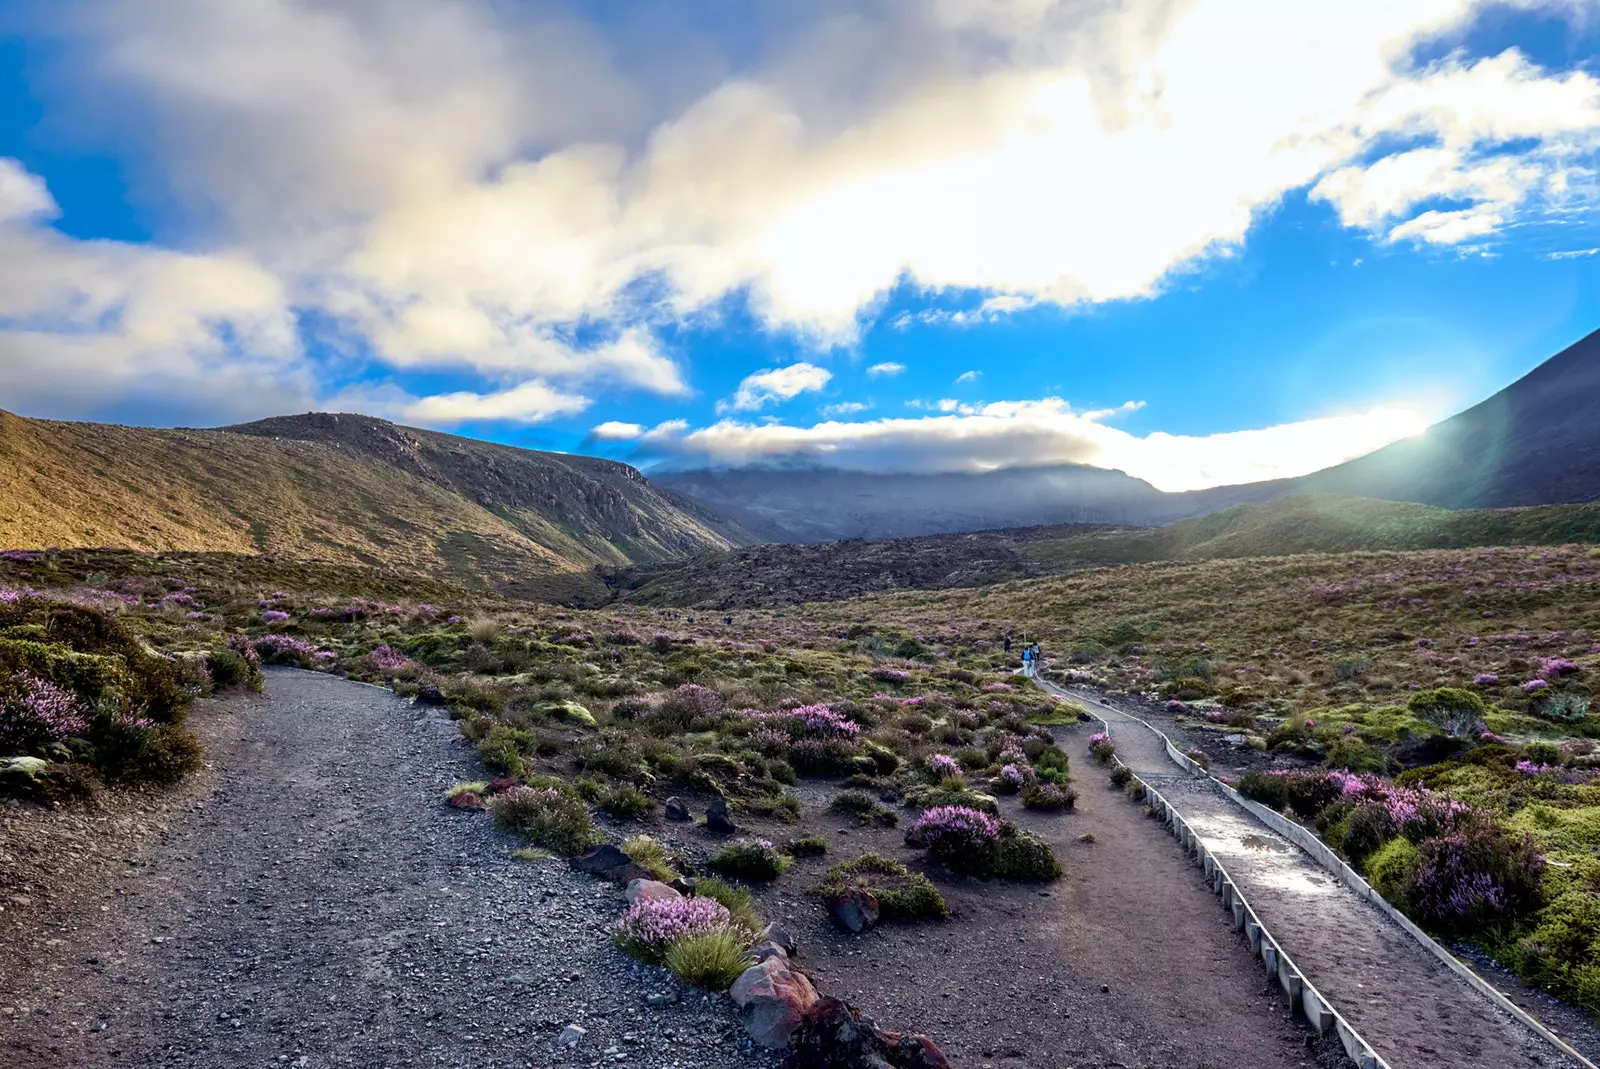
(811, 721)
(943, 766)
(651, 926)
(1485, 679)
(1556, 667)
(953, 828)
(1098, 738)
(1017, 776)
(1175, 706)
(1535, 686)
(387, 659)
(274, 616)
(997, 688)
(37, 712)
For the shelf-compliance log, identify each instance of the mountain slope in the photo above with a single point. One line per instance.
(1536, 442)
(344, 489)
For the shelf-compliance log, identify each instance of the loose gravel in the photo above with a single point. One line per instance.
(322, 908)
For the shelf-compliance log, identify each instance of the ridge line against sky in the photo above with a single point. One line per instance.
(1205, 242)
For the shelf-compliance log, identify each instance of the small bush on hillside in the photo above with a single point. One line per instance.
(1350, 753)
(504, 747)
(977, 844)
(1101, 748)
(650, 927)
(547, 817)
(748, 859)
(864, 808)
(141, 751)
(810, 846)
(1563, 707)
(626, 802)
(1048, 797)
(1456, 711)
(1121, 775)
(902, 894)
(930, 797)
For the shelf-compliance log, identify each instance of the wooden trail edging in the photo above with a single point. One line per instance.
(1358, 1049)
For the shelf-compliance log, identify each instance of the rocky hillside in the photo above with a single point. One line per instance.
(770, 575)
(346, 489)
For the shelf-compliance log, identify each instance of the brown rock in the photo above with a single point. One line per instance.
(855, 909)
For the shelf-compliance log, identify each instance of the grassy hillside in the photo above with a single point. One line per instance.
(340, 489)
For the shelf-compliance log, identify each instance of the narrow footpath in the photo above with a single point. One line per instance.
(1412, 1010)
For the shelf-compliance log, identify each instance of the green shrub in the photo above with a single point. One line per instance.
(1565, 707)
(1121, 775)
(784, 807)
(626, 802)
(546, 816)
(1352, 754)
(1391, 867)
(1451, 709)
(748, 859)
(1022, 855)
(230, 669)
(809, 846)
(928, 797)
(1561, 953)
(710, 960)
(902, 895)
(1048, 797)
(865, 808)
(503, 747)
(163, 754)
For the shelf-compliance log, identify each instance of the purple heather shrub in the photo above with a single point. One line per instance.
(810, 721)
(1175, 706)
(274, 616)
(1215, 716)
(1017, 776)
(1486, 679)
(651, 926)
(943, 766)
(36, 713)
(386, 659)
(1475, 874)
(1534, 686)
(912, 703)
(893, 676)
(997, 688)
(1556, 667)
(950, 829)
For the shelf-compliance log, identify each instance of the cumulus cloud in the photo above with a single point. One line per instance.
(885, 369)
(774, 385)
(531, 194)
(846, 408)
(1048, 431)
(969, 376)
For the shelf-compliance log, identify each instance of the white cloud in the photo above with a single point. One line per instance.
(473, 185)
(774, 385)
(845, 408)
(969, 376)
(1048, 431)
(885, 369)
(615, 431)
(528, 402)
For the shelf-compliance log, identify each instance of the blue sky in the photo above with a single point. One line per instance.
(1233, 241)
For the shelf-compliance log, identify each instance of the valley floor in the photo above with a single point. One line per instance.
(311, 902)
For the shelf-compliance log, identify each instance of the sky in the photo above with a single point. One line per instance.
(1202, 241)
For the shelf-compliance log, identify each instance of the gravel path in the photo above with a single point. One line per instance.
(324, 909)
(1412, 1010)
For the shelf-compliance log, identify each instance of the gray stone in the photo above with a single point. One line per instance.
(854, 909)
(572, 1035)
(675, 810)
(717, 819)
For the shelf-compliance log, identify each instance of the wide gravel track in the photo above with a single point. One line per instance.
(323, 908)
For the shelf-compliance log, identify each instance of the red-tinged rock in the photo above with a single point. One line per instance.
(466, 800)
(773, 999)
(855, 909)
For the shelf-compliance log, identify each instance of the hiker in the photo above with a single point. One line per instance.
(1027, 663)
(1008, 643)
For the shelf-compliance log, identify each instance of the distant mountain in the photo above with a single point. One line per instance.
(1536, 442)
(344, 489)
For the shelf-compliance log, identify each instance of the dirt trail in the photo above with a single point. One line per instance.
(325, 910)
(1414, 1012)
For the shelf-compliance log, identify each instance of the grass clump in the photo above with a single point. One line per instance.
(649, 854)
(733, 898)
(809, 846)
(749, 859)
(711, 961)
(902, 895)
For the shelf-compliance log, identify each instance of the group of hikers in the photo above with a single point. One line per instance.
(1032, 655)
